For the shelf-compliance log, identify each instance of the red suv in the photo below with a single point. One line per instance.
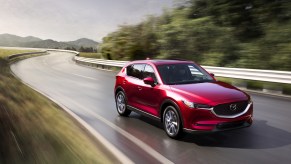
(182, 95)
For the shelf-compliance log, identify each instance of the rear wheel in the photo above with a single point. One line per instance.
(172, 122)
(121, 104)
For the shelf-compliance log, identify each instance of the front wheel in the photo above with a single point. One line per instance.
(172, 122)
(121, 104)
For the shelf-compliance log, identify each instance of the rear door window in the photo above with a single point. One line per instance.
(135, 70)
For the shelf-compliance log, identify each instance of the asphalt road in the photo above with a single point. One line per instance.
(88, 93)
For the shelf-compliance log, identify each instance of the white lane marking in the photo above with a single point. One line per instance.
(87, 77)
(59, 70)
(159, 157)
(118, 154)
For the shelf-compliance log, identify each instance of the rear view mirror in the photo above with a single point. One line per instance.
(212, 74)
(149, 81)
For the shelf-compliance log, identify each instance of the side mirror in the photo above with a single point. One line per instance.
(149, 81)
(212, 74)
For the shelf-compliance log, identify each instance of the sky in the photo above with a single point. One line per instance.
(66, 20)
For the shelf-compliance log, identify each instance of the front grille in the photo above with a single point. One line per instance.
(230, 109)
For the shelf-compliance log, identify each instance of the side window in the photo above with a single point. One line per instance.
(135, 70)
(129, 70)
(149, 72)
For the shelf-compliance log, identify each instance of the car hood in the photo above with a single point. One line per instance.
(211, 93)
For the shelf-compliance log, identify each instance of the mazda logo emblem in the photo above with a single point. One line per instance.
(232, 107)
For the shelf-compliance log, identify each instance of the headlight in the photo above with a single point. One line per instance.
(196, 105)
(188, 103)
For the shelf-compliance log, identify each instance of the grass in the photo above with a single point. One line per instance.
(6, 52)
(35, 130)
(91, 55)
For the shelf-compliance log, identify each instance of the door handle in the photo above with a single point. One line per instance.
(139, 88)
(124, 81)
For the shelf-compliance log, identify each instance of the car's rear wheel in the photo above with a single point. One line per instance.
(120, 100)
(172, 122)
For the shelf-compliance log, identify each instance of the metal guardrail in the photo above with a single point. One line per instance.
(239, 73)
(59, 50)
(99, 62)
(38, 51)
(23, 54)
(252, 74)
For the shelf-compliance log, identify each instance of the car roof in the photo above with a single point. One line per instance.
(161, 61)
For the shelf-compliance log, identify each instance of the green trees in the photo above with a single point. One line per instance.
(241, 33)
(86, 49)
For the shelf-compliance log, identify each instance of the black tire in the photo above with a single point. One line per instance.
(120, 101)
(172, 122)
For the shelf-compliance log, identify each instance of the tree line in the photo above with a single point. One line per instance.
(82, 49)
(226, 33)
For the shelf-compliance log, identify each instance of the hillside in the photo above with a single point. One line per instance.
(13, 40)
(34, 42)
(48, 44)
(84, 42)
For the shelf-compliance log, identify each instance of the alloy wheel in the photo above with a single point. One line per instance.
(120, 102)
(171, 122)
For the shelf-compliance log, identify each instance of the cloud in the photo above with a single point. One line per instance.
(73, 19)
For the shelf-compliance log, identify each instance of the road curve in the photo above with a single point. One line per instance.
(88, 93)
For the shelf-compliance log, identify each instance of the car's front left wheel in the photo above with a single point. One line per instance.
(172, 122)
(120, 100)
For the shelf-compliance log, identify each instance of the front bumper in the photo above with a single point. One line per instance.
(205, 121)
(220, 127)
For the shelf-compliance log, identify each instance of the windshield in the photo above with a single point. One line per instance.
(186, 73)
